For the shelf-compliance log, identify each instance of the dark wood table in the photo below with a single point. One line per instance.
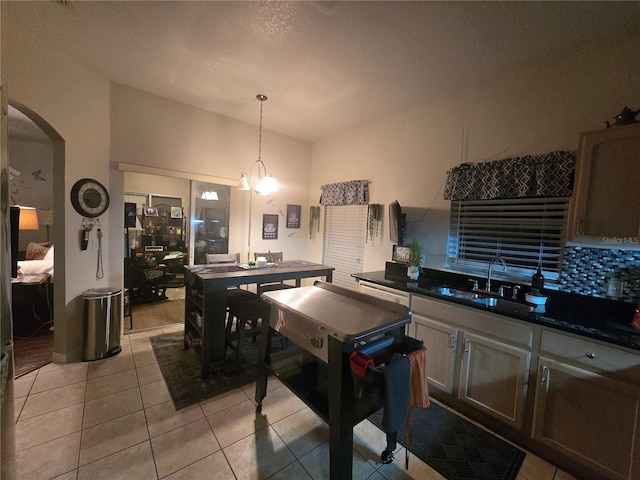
(206, 299)
(34, 282)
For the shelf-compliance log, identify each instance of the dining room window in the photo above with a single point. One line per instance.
(525, 232)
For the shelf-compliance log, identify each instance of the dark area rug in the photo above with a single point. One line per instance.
(181, 369)
(457, 449)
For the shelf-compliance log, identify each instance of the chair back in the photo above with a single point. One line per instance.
(277, 256)
(222, 258)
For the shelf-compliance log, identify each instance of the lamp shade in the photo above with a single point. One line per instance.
(45, 217)
(28, 219)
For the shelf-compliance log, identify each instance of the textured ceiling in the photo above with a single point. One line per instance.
(325, 66)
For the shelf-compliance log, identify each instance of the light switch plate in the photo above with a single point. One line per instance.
(614, 288)
(96, 244)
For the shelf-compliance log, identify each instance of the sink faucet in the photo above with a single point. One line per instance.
(491, 262)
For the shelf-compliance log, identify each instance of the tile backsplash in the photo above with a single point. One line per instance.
(588, 270)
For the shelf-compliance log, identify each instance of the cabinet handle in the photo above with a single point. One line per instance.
(468, 343)
(544, 377)
(579, 228)
(590, 355)
(453, 341)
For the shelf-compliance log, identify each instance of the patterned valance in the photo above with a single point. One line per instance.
(354, 192)
(548, 175)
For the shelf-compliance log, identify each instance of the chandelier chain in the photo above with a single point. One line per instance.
(260, 131)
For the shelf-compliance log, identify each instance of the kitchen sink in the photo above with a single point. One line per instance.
(485, 299)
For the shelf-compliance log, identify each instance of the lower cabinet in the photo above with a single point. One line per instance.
(586, 411)
(494, 377)
(385, 293)
(441, 342)
(582, 401)
(488, 369)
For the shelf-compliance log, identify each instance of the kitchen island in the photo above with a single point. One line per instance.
(206, 299)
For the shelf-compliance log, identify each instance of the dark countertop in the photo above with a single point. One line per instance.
(602, 319)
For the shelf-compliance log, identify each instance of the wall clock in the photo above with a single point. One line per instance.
(89, 198)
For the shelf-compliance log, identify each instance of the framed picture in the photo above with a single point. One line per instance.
(130, 214)
(269, 226)
(151, 211)
(400, 254)
(293, 216)
(176, 212)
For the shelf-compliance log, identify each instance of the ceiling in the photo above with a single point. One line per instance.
(325, 66)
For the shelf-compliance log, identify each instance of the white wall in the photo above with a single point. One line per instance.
(74, 100)
(153, 131)
(534, 110)
(103, 124)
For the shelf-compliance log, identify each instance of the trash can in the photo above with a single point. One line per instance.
(101, 323)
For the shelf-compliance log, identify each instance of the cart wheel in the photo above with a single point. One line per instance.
(386, 456)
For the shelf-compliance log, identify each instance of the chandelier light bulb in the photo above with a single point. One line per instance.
(266, 183)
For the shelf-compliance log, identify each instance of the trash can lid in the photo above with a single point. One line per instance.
(101, 292)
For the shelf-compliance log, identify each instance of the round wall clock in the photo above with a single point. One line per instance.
(89, 198)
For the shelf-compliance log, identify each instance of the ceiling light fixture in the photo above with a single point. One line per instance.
(265, 183)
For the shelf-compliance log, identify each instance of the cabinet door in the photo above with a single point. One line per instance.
(493, 378)
(389, 294)
(441, 343)
(587, 416)
(605, 203)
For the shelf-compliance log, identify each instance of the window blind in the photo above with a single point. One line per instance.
(344, 236)
(524, 232)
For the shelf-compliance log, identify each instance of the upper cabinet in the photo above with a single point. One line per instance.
(605, 206)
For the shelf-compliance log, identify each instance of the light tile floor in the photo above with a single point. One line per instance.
(113, 419)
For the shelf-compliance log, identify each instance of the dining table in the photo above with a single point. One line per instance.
(206, 299)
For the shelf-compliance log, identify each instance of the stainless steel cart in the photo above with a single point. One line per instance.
(327, 324)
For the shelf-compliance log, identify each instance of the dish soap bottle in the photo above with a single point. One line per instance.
(537, 280)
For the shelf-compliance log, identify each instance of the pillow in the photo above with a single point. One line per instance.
(37, 251)
(49, 255)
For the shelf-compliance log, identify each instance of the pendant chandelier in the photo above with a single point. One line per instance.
(265, 183)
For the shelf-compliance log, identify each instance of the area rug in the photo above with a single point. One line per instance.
(181, 369)
(457, 449)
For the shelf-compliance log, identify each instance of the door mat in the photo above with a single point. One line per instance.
(456, 448)
(181, 369)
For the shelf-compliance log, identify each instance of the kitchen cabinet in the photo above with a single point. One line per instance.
(385, 293)
(441, 342)
(493, 364)
(493, 378)
(586, 407)
(605, 206)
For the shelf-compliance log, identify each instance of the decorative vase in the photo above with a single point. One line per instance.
(413, 272)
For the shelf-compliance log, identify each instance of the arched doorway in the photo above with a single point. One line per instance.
(36, 153)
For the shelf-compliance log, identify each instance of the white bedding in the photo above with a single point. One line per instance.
(31, 267)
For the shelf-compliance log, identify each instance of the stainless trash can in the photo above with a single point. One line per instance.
(102, 322)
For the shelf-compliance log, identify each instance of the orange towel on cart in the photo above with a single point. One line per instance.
(418, 391)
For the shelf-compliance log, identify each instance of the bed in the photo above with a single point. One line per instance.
(38, 259)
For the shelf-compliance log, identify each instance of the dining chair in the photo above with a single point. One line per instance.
(222, 258)
(275, 256)
(270, 287)
(247, 317)
(234, 294)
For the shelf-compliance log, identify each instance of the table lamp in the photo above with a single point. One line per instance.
(45, 217)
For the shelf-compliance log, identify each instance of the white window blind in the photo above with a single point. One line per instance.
(523, 231)
(344, 236)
